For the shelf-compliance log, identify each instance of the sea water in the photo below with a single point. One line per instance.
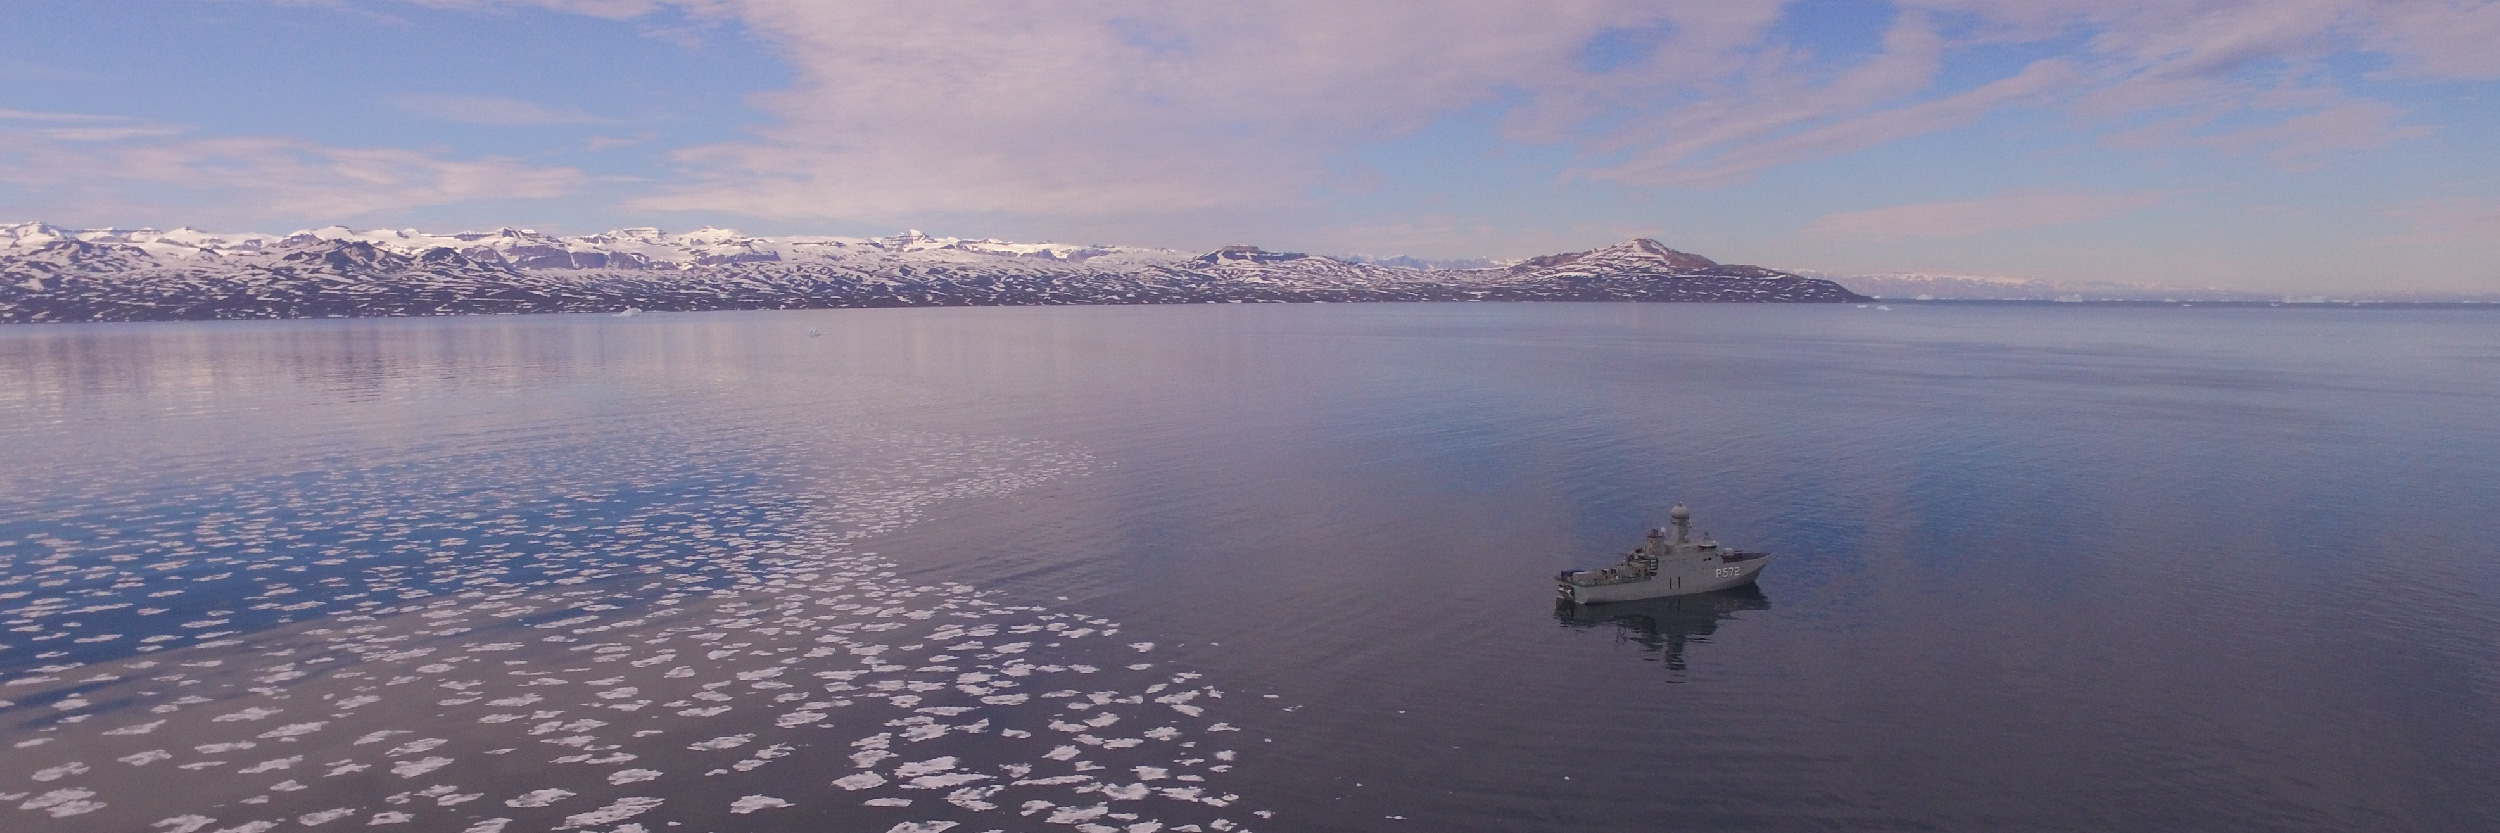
(1252, 567)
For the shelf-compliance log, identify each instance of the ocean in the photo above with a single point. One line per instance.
(1252, 567)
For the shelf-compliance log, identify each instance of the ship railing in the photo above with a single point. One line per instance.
(1598, 578)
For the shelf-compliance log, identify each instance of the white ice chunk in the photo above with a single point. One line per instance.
(616, 811)
(138, 729)
(920, 768)
(59, 772)
(922, 827)
(753, 803)
(253, 713)
(186, 823)
(412, 769)
(272, 765)
(295, 730)
(325, 816)
(539, 798)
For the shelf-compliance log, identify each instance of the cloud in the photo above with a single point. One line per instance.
(2452, 221)
(140, 169)
(600, 143)
(2437, 39)
(611, 9)
(1967, 218)
(1737, 154)
(76, 118)
(109, 133)
(487, 109)
(1148, 112)
(2297, 141)
(1112, 109)
(86, 127)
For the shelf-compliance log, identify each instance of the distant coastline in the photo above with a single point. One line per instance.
(1919, 286)
(2117, 302)
(49, 274)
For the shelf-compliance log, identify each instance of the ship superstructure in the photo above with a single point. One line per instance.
(1668, 563)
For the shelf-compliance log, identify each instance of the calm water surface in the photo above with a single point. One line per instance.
(2036, 568)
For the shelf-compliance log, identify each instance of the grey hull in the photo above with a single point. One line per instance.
(1703, 578)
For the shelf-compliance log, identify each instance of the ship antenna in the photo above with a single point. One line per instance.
(1683, 522)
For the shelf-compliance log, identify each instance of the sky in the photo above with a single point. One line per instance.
(2295, 145)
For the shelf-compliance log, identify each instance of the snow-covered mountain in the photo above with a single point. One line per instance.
(49, 273)
(624, 249)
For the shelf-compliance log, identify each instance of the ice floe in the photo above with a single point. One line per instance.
(752, 803)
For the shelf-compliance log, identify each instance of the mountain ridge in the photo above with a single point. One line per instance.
(49, 273)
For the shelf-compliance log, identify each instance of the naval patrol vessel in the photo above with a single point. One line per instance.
(1664, 566)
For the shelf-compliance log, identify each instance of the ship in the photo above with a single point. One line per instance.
(1666, 564)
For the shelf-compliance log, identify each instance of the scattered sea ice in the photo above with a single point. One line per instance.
(772, 605)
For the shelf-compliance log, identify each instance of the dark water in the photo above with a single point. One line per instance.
(2037, 568)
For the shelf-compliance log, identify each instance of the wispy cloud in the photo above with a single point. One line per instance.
(2449, 221)
(1734, 155)
(75, 118)
(1968, 218)
(612, 9)
(2299, 141)
(110, 133)
(154, 168)
(1134, 110)
(600, 143)
(2437, 39)
(487, 109)
(1141, 109)
(85, 127)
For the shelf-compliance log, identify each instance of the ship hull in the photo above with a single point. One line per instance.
(1707, 577)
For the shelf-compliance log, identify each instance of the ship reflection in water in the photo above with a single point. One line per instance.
(1662, 627)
